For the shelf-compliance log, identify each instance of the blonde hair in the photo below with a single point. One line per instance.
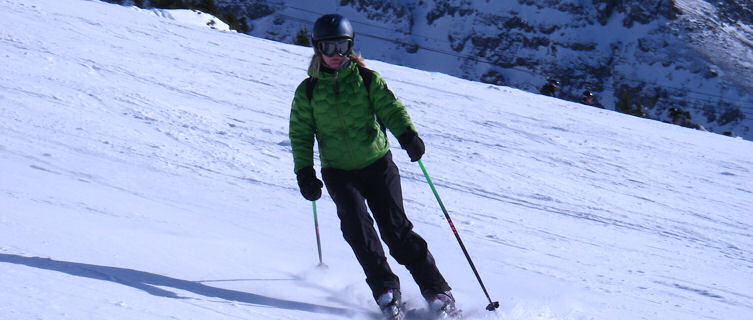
(316, 62)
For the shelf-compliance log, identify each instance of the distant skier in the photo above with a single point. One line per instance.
(682, 118)
(342, 105)
(587, 98)
(550, 88)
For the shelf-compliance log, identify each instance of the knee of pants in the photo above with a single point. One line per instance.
(409, 251)
(357, 229)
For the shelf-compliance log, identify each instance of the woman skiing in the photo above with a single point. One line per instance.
(347, 107)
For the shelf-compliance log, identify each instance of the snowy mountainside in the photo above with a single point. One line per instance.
(692, 54)
(193, 17)
(145, 173)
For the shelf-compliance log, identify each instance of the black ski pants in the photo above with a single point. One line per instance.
(378, 185)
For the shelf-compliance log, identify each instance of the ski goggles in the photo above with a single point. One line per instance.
(334, 47)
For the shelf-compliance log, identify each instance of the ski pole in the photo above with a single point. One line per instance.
(318, 242)
(492, 305)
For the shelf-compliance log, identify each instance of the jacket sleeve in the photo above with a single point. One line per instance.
(301, 129)
(388, 108)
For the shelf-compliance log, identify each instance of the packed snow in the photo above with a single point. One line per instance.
(184, 16)
(146, 173)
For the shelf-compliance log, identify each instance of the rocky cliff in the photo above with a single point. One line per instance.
(653, 54)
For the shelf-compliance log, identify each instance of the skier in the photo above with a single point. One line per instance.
(343, 105)
(587, 98)
(550, 88)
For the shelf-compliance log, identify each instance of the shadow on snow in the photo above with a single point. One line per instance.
(148, 282)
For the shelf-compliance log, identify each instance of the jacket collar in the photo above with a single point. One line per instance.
(326, 73)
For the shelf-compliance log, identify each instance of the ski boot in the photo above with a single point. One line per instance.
(389, 302)
(442, 306)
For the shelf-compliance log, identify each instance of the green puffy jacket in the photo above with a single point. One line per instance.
(341, 117)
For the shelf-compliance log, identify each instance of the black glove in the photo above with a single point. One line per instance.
(310, 186)
(412, 144)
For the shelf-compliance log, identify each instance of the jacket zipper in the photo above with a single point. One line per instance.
(342, 121)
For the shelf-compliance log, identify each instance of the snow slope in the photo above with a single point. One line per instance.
(145, 173)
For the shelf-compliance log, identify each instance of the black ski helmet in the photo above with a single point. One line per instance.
(331, 26)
